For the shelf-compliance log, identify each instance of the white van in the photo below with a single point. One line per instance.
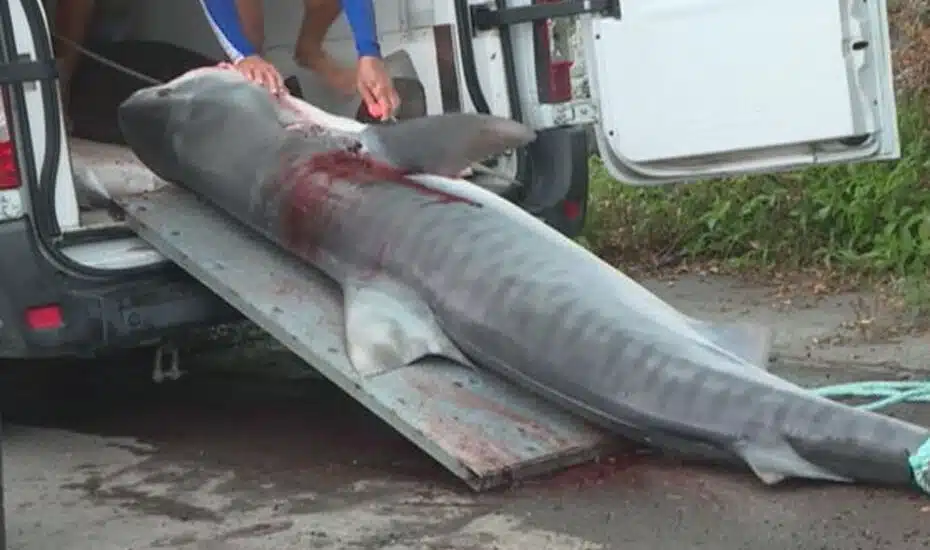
(679, 91)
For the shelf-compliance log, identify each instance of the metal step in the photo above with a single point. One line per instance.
(484, 430)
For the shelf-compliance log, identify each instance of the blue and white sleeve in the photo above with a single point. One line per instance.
(227, 26)
(361, 16)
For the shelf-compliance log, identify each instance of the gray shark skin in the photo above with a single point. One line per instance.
(436, 266)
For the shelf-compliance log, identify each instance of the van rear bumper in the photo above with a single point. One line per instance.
(97, 316)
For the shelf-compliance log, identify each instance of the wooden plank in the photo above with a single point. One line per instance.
(480, 427)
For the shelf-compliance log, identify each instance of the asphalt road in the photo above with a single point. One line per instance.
(99, 459)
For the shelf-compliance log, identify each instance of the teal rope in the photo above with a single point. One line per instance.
(886, 394)
(920, 465)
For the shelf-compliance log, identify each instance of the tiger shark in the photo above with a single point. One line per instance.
(433, 265)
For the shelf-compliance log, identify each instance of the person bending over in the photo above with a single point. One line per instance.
(240, 27)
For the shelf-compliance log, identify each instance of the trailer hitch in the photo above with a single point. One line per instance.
(166, 353)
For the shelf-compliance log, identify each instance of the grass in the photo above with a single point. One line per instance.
(871, 218)
(835, 228)
(859, 222)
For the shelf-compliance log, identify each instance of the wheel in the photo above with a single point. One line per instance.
(556, 174)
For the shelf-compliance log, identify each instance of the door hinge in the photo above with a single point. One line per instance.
(26, 70)
(485, 17)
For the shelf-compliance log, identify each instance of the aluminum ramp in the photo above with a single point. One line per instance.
(486, 431)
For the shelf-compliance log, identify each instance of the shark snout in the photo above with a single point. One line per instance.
(146, 108)
(145, 121)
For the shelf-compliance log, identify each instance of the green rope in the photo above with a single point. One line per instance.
(885, 394)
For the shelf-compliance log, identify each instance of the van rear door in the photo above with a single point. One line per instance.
(694, 89)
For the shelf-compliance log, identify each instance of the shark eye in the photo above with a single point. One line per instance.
(163, 92)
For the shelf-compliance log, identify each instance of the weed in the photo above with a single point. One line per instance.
(872, 218)
(845, 224)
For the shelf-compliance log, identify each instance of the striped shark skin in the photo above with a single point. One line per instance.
(433, 265)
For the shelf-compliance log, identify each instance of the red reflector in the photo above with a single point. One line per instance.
(571, 209)
(553, 71)
(9, 177)
(44, 317)
(560, 81)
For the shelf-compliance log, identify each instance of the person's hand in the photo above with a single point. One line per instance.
(376, 88)
(262, 73)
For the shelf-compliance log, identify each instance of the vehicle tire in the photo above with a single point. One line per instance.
(555, 177)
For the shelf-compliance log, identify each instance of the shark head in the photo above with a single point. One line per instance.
(215, 113)
(195, 111)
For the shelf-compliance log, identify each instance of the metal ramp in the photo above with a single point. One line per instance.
(483, 429)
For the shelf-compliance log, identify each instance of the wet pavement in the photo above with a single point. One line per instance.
(251, 451)
(230, 461)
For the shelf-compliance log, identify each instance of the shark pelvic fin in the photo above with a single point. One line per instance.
(775, 463)
(444, 144)
(388, 327)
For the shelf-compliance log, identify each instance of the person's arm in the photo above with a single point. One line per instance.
(239, 26)
(361, 16)
(225, 17)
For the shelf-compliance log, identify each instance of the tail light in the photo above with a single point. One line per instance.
(553, 59)
(9, 175)
(44, 317)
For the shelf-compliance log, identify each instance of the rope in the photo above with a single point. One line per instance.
(920, 466)
(886, 394)
(113, 64)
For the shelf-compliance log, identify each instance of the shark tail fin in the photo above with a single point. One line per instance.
(444, 144)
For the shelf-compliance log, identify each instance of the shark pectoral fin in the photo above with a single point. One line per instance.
(775, 463)
(444, 144)
(388, 326)
(751, 342)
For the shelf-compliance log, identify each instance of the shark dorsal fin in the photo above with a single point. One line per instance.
(444, 144)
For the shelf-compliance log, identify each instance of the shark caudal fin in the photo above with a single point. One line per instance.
(444, 144)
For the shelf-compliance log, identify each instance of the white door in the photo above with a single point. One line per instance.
(692, 89)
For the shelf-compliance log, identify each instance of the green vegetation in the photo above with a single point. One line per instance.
(862, 222)
(871, 218)
(827, 228)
